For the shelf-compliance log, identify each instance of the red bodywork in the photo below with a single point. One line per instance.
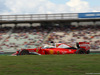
(83, 49)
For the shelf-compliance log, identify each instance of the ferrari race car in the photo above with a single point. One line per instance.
(59, 48)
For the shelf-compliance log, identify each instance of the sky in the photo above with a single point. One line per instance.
(11, 7)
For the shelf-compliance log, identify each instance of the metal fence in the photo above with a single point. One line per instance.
(33, 17)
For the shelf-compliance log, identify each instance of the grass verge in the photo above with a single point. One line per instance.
(50, 64)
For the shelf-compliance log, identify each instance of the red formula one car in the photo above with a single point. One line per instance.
(60, 48)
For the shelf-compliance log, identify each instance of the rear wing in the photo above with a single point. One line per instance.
(84, 45)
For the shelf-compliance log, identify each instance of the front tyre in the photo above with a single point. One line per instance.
(24, 52)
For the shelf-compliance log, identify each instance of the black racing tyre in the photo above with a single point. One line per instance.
(88, 52)
(24, 52)
(81, 51)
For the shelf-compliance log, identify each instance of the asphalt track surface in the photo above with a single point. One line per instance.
(10, 54)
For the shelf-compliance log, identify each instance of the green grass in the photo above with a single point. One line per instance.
(50, 64)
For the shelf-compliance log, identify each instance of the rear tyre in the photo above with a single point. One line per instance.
(81, 51)
(88, 52)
